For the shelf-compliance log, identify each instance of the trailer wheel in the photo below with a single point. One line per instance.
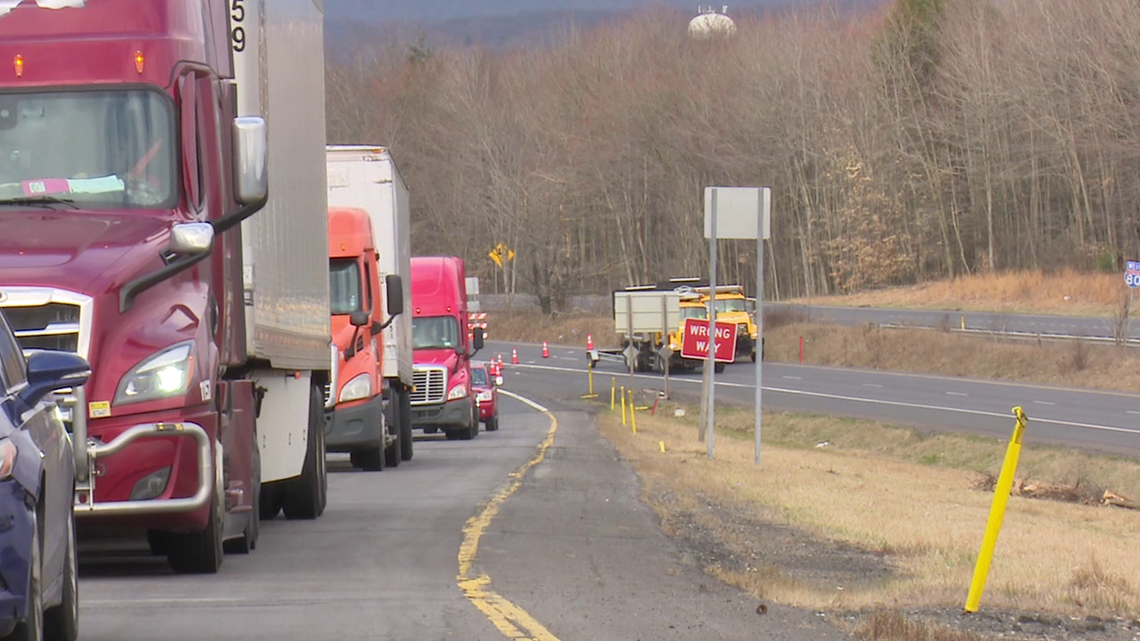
(718, 367)
(306, 495)
(405, 424)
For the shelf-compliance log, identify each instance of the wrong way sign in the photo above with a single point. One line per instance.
(695, 340)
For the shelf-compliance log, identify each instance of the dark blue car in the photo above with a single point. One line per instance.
(39, 586)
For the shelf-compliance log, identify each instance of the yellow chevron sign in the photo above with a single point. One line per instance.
(499, 252)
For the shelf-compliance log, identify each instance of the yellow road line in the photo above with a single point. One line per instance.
(510, 619)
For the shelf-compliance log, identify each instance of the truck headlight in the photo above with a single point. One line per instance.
(165, 374)
(8, 453)
(359, 387)
(484, 396)
(459, 391)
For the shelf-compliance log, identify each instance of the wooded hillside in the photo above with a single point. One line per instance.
(925, 140)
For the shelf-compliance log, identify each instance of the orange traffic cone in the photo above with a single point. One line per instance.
(545, 351)
(589, 341)
(500, 360)
(514, 356)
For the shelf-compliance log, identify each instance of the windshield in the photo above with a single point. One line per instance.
(694, 312)
(97, 149)
(731, 305)
(344, 286)
(479, 376)
(435, 332)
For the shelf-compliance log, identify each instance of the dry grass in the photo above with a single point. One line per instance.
(891, 625)
(1066, 292)
(909, 498)
(532, 326)
(1067, 363)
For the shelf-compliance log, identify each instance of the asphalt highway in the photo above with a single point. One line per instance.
(1087, 419)
(1044, 324)
(535, 531)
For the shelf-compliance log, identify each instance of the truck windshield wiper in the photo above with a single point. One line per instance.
(44, 201)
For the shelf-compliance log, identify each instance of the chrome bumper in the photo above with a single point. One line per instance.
(88, 452)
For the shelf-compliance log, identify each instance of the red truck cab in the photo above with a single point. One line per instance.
(357, 422)
(443, 399)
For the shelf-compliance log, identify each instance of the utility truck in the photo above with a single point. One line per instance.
(366, 177)
(162, 214)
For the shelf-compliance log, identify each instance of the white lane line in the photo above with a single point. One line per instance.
(957, 394)
(791, 378)
(1133, 412)
(871, 385)
(1044, 403)
(875, 401)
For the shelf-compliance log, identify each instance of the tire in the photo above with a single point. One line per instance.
(31, 628)
(718, 367)
(392, 454)
(473, 428)
(200, 552)
(405, 413)
(270, 504)
(493, 424)
(248, 542)
(305, 496)
(368, 460)
(61, 622)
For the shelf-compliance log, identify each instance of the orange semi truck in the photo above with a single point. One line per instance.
(357, 421)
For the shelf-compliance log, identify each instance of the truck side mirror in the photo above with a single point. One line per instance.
(358, 318)
(477, 339)
(251, 158)
(191, 238)
(395, 286)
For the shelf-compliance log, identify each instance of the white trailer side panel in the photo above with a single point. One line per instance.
(280, 76)
(367, 177)
(279, 70)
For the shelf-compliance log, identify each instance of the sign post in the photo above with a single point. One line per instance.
(744, 213)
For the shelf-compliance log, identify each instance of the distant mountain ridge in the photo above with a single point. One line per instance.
(502, 23)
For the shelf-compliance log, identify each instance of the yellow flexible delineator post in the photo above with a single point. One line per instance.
(613, 389)
(997, 512)
(632, 412)
(623, 404)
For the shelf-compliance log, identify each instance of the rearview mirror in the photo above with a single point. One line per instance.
(358, 318)
(395, 286)
(477, 338)
(191, 238)
(251, 154)
(51, 370)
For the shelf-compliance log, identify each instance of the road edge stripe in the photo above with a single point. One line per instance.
(510, 619)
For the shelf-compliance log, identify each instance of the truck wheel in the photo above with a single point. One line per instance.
(718, 367)
(392, 454)
(248, 541)
(306, 495)
(270, 504)
(200, 552)
(405, 425)
(473, 428)
(61, 623)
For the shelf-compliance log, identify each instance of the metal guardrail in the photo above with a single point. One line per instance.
(1016, 335)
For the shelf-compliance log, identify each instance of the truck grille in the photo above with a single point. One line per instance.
(51, 326)
(431, 385)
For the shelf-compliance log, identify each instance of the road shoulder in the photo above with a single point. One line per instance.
(579, 550)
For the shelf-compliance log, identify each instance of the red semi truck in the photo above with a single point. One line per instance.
(443, 398)
(133, 157)
(357, 422)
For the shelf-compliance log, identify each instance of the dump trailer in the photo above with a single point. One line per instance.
(163, 215)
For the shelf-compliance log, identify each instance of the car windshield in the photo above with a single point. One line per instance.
(344, 286)
(93, 149)
(479, 376)
(435, 332)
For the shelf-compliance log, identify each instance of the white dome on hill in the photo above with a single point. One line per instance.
(710, 23)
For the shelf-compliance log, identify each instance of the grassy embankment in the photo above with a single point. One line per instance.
(918, 503)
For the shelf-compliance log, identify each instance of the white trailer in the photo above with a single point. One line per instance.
(366, 176)
(279, 68)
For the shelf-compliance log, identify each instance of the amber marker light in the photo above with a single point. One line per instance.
(140, 62)
(18, 63)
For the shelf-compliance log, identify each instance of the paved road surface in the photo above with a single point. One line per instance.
(979, 321)
(572, 550)
(1087, 419)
